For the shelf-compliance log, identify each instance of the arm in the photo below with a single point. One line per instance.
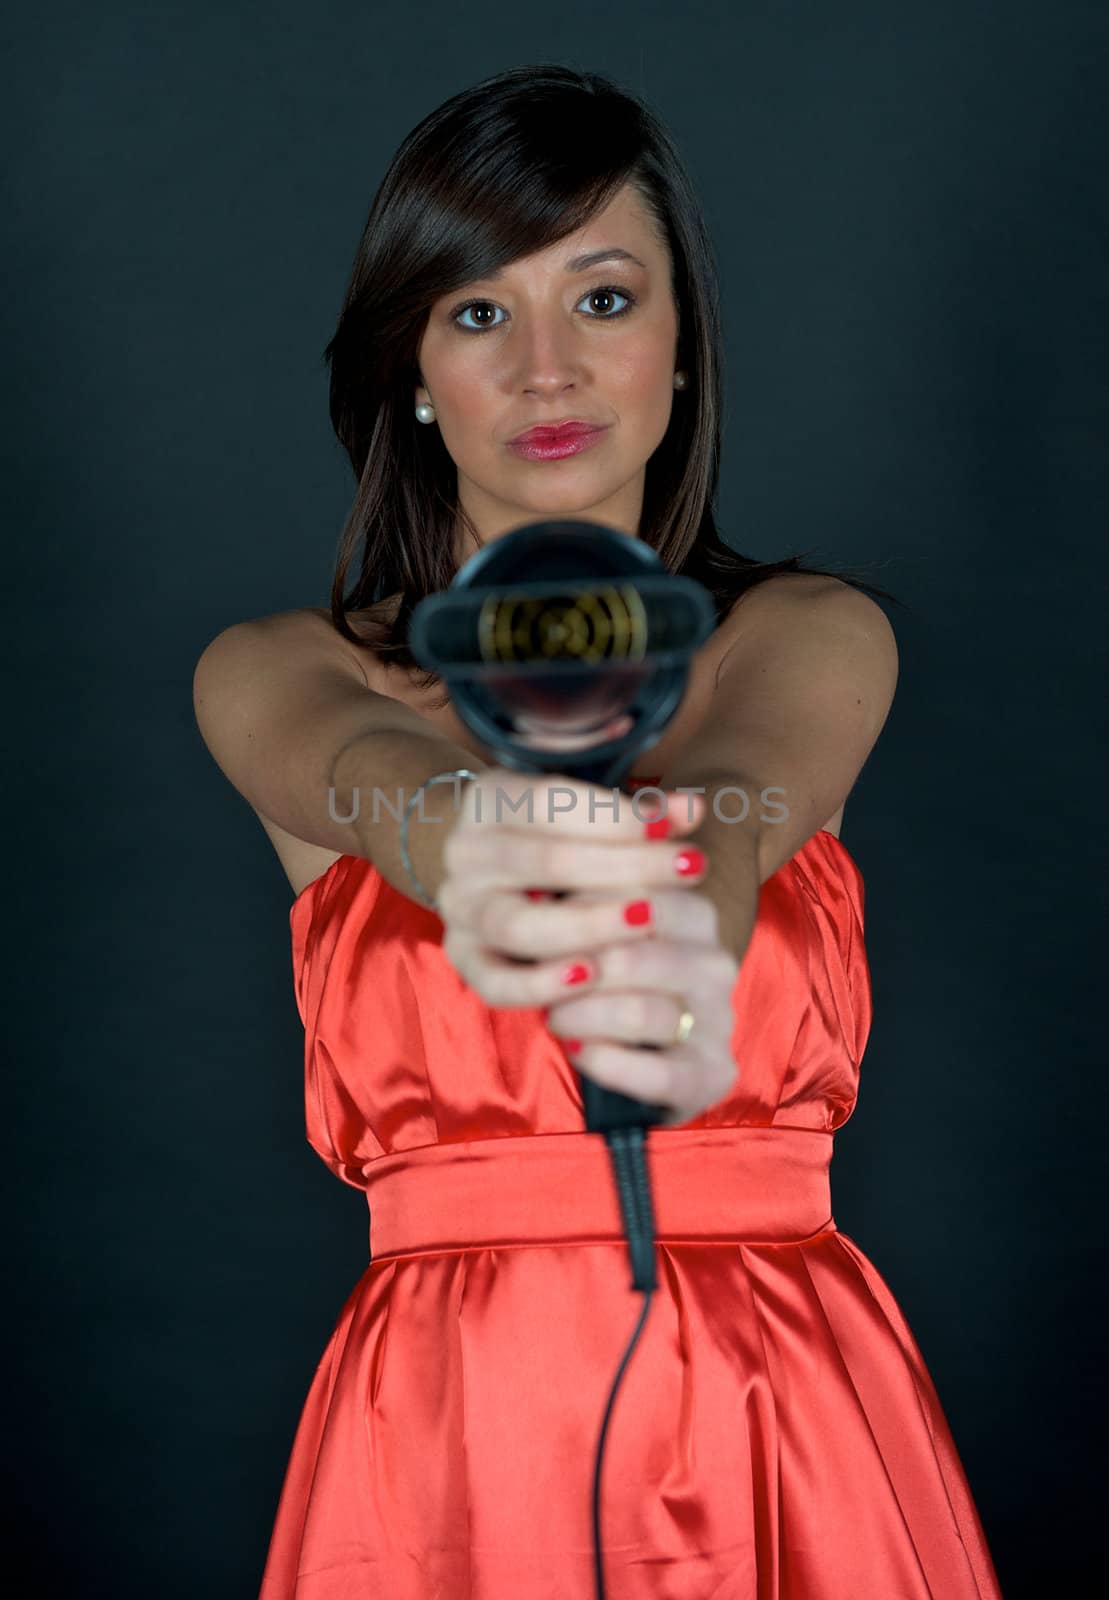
(284, 708)
(396, 760)
(803, 691)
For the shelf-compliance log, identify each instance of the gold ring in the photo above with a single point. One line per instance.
(685, 1027)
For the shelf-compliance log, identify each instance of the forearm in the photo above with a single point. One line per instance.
(372, 781)
(731, 842)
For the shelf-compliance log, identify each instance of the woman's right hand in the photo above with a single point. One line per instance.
(538, 840)
(514, 950)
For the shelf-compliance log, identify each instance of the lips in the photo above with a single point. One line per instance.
(558, 431)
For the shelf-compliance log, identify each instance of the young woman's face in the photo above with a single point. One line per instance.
(541, 344)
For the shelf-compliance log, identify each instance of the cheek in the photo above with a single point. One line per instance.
(456, 389)
(469, 436)
(648, 392)
(464, 412)
(647, 374)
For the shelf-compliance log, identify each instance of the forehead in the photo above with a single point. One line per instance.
(618, 232)
(624, 212)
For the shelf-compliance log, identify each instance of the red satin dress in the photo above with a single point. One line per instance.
(776, 1434)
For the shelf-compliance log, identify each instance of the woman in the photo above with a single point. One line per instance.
(536, 254)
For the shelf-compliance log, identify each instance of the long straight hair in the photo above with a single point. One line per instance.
(500, 171)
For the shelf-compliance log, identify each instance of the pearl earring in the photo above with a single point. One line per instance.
(425, 412)
(680, 380)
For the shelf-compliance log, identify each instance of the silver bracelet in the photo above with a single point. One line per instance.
(440, 777)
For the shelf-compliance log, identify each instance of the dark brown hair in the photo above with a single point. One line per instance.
(502, 170)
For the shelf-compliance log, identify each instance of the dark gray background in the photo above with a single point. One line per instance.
(908, 206)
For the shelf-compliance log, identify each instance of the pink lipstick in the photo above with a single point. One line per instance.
(551, 444)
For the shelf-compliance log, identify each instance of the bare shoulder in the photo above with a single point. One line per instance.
(795, 595)
(311, 628)
(804, 588)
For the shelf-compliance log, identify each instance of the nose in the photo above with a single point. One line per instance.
(548, 357)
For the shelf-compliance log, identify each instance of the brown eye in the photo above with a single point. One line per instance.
(484, 325)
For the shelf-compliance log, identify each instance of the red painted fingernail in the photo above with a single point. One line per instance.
(687, 863)
(538, 894)
(637, 912)
(577, 972)
(571, 1046)
(659, 829)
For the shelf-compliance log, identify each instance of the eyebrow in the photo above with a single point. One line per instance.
(592, 258)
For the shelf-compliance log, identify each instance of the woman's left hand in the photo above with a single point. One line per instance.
(625, 1021)
(511, 947)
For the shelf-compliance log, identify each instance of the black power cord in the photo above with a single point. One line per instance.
(627, 1148)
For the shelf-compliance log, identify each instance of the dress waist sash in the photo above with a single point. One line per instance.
(765, 1185)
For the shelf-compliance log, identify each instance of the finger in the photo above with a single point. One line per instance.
(638, 993)
(646, 1075)
(513, 924)
(696, 973)
(646, 1019)
(569, 807)
(502, 980)
(633, 1017)
(516, 860)
(702, 975)
(505, 980)
(673, 1079)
